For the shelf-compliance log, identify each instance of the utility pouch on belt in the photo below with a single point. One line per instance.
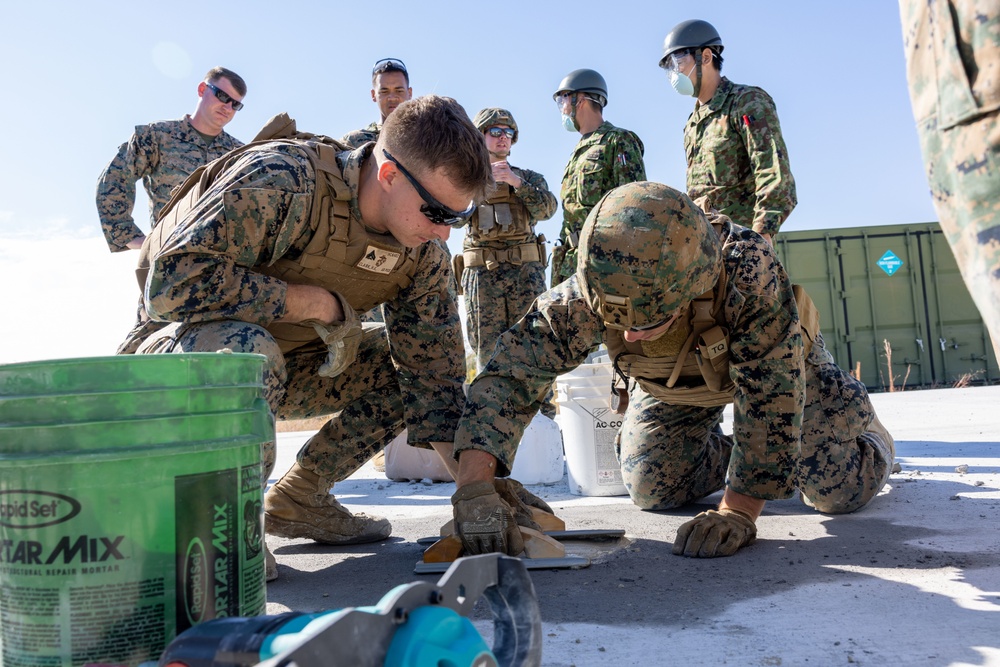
(458, 267)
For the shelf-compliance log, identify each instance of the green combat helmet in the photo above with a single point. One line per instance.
(584, 81)
(693, 34)
(645, 251)
(491, 116)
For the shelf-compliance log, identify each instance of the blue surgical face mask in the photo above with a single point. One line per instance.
(681, 83)
(568, 123)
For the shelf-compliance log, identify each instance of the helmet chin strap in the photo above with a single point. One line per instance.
(697, 75)
(572, 111)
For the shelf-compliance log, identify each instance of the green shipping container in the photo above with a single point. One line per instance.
(900, 285)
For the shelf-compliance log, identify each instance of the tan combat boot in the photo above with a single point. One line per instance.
(300, 505)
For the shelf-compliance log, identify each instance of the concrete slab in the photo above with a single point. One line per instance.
(913, 579)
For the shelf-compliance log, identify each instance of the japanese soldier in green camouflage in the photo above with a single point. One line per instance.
(390, 88)
(695, 314)
(605, 157)
(275, 247)
(736, 156)
(952, 63)
(163, 154)
(502, 268)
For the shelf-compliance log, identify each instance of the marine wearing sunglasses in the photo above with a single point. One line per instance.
(435, 211)
(223, 96)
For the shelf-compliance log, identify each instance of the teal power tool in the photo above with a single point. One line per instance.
(413, 625)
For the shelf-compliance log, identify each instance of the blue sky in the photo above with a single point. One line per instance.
(78, 76)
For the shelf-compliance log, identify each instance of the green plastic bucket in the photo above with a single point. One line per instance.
(130, 503)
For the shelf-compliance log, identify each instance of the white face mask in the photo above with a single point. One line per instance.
(681, 83)
(568, 123)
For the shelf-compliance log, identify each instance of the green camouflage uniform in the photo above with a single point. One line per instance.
(356, 138)
(737, 158)
(604, 159)
(497, 298)
(162, 154)
(205, 292)
(797, 423)
(953, 64)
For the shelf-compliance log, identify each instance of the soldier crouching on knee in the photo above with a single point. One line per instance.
(696, 314)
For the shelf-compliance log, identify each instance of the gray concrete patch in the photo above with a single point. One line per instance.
(912, 579)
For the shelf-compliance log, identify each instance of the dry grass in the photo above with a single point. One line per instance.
(888, 366)
(967, 379)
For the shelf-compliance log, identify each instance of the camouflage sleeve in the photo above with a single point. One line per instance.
(425, 341)
(554, 337)
(136, 158)
(534, 193)
(354, 138)
(774, 186)
(766, 363)
(256, 212)
(625, 152)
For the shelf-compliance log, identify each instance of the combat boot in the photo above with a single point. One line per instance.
(300, 505)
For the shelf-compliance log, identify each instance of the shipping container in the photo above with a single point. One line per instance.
(897, 285)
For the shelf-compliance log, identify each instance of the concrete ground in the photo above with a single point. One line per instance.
(913, 579)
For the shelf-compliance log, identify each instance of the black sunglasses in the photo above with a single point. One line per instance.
(224, 97)
(435, 211)
(388, 65)
(495, 132)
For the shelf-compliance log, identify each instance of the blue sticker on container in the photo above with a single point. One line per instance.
(889, 262)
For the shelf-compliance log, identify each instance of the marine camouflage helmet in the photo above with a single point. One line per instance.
(491, 116)
(645, 251)
(584, 81)
(693, 34)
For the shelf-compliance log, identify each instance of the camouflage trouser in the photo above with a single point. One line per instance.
(365, 400)
(672, 455)
(494, 301)
(963, 167)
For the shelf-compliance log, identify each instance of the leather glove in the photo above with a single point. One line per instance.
(484, 522)
(715, 533)
(520, 499)
(342, 340)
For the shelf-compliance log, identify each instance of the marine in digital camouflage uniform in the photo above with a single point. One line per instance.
(606, 157)
(736, 156)
(503, 263)
(953, 66)
(655, 278)
(163, 155)
(390, 88)
(246, 261)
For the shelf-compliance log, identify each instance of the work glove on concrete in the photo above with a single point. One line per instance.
(484, 522)
(715, 533)
(341, 339)
(520, 499)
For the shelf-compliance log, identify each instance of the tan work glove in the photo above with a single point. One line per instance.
(715, 533)
(341, 339)
(484, 522)
(520, 499)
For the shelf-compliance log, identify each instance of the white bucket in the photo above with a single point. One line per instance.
(589, 429)
(404, 462)
(539, 457)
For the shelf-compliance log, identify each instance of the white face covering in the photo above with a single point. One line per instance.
(568, 124)
(681, 83)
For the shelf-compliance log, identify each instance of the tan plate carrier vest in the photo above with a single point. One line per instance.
(699, 374)
(503, 219)
(366, 269)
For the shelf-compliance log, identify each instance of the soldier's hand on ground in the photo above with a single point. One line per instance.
(342, 340)
(484, 522)
(715, 533)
